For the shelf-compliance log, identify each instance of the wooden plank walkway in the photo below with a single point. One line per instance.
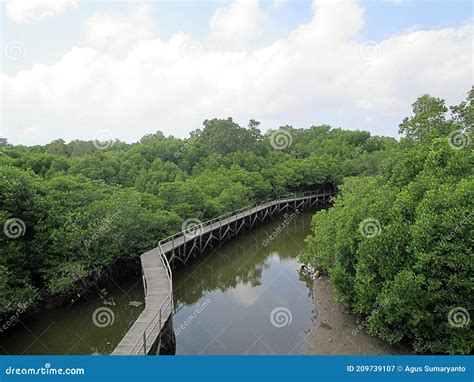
(145, 334)
(158, 307)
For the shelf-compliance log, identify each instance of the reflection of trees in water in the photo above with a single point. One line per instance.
(306, 278)
(86, 337)
(220, 270)
(240, 261)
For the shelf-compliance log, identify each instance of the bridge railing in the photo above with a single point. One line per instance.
(166, 265)
(168, 302)
(157, 320)
(159, 316)
(210, 222)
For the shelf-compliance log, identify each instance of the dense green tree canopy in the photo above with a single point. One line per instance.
(71, 210)
(399, 246)
(86, 206)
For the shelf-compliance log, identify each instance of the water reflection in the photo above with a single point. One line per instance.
(244, 281)
(78, 328)
(224, 303)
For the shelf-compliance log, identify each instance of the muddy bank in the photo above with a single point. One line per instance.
(335, 331)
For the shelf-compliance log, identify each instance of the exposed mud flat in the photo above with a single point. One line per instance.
(337, 331)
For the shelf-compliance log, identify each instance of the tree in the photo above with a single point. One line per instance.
(88, 210)
(428, 120)
(410, 275)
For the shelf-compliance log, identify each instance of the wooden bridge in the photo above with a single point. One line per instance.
(144, 336)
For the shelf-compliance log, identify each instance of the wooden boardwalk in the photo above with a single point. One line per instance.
(157, 281)
(145, 334)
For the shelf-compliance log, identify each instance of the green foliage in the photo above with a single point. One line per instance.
(418, 267)
(85, 209)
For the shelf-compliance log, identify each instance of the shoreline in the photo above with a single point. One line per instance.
(335, 330)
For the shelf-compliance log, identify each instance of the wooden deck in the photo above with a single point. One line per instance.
(145, 334)
(158, 307)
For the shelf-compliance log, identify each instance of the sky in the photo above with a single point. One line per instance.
(78, 69)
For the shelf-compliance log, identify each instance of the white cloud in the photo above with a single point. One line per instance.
(336, 19)
(31, 10)
(246, 294)
(119, 33)
(237, 23)
(319, 73)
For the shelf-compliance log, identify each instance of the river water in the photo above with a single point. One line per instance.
(247, 296)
